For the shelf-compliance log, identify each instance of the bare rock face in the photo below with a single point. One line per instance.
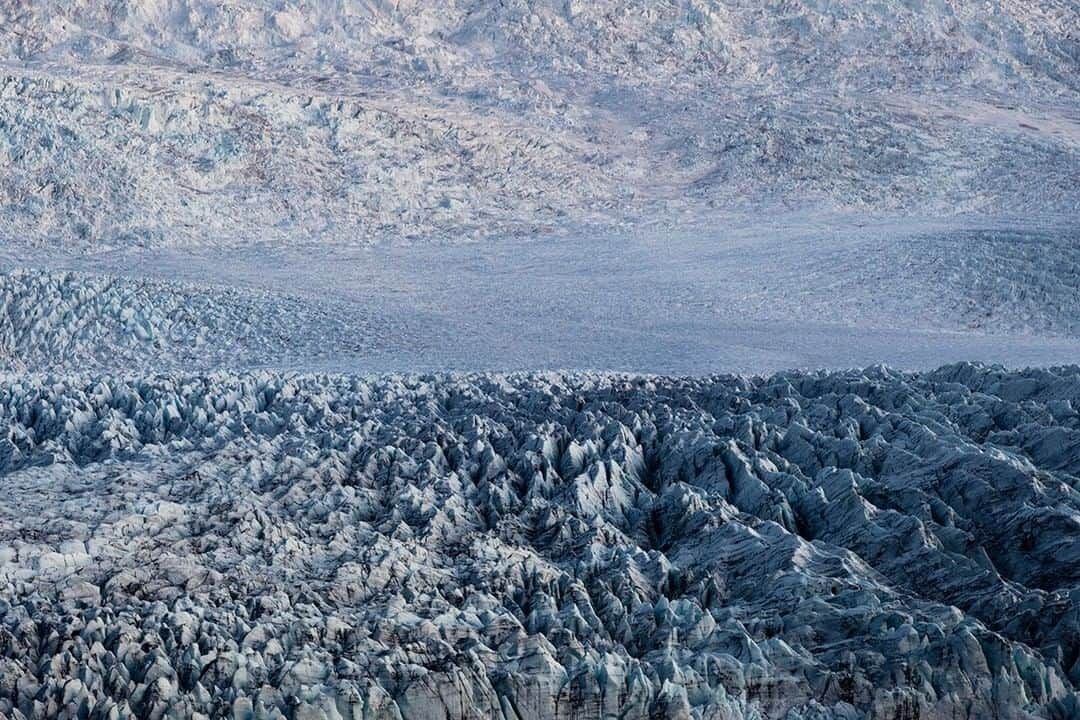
(804, 546)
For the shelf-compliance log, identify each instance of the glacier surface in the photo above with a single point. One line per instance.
(748, 299)
(200, 122)
(804, 545)
(247, 246)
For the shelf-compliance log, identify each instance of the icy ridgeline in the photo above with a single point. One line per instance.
(803, 546)
(197, 121)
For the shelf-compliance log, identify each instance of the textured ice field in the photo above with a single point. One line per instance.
(231, 229)
(865, 544)
(542, 546)
(683, 186)
(200, 122)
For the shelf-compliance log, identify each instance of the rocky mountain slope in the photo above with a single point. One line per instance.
(861, 544)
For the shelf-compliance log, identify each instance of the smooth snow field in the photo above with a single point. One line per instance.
(539, 360)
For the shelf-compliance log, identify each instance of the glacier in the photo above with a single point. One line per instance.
(803, 545)
(500, 359)
(200, 122)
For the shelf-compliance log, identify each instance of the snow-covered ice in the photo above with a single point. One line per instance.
(200, 122)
